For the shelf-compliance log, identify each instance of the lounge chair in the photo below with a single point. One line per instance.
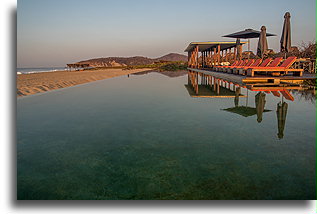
(287, 95)
(264, 63)
(228, 69)
(248, 64)
(220, 68)
(275, 70)
(276, 94)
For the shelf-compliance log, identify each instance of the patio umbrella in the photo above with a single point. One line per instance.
(281, 118)
(262, 44)
(260, 104)
(247, 34)
(286, 34)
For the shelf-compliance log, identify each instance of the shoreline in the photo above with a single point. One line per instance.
(34, 83)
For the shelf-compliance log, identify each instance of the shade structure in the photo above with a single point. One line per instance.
(247, 34)
(262, 44)
(260, 104)
(286, 34)
(281, 113)
(203, 46)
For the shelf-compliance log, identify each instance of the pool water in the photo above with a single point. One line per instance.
(145, 137)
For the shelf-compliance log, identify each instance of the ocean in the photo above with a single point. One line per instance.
(39, 70)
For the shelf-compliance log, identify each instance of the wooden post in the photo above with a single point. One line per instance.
(218, 55)
(235, 53)
(197, 64)
(196, 77)
(214, 56)
(218, 87)
(203, 59)
(229, 57)
(239, 52)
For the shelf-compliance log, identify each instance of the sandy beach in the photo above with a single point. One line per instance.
(28, 84)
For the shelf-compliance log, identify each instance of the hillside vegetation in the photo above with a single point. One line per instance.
(133, 61)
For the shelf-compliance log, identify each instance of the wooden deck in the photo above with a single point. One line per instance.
(243, 80)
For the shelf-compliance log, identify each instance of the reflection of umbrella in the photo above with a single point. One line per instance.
(281, 118)
(236, 98)
(262, 45)
(243, 110)
(260, 104)
(286, 33)
(247, 34)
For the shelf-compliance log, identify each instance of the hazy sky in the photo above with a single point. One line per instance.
(56, 32)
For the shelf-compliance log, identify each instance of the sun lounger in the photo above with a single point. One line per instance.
(220, 68)
(275, 70)
(287, 95)
(256, 64)
(276, 94)
(228, 69)
(266, 64)
(251, 62)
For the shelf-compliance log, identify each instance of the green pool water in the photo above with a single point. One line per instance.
(145, 137)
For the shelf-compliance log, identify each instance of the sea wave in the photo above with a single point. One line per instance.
(39, 70)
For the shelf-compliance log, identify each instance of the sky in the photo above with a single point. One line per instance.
(56, 32)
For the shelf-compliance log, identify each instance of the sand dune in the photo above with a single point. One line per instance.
(40, 82)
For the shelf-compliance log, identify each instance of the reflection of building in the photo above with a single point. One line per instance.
(221, 91)
(166, 73)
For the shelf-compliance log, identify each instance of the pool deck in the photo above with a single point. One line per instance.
(257, 80)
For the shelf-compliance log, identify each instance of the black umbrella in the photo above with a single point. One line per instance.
(247, 34)
(262, 44)
(286, 34)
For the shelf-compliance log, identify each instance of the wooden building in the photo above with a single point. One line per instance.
(77, 66)
(208, 54)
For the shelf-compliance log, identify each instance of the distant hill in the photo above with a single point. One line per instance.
(172, 57)
(128, 61)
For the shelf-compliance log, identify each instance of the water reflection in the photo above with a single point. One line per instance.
(215, 87)
(165, 73)
(237, 95)
(281, 113)
(307, 94)
(260, 104)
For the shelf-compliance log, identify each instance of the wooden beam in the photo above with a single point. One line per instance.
(218, 54)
